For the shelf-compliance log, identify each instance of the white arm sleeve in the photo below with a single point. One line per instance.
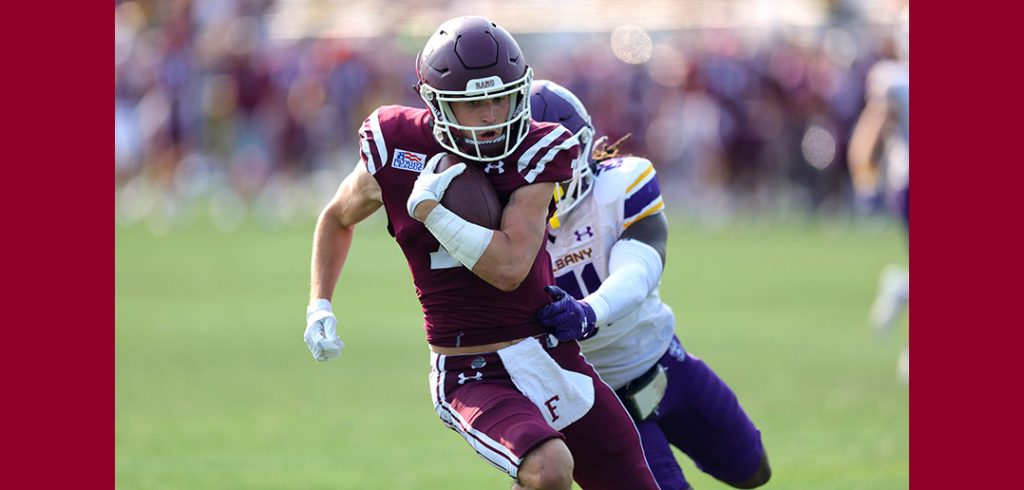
(634, 270)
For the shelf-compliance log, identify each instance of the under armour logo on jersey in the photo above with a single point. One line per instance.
(498, 167)
(477, 377)
(588, 232)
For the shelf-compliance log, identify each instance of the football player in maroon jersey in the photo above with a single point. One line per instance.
(525, 402)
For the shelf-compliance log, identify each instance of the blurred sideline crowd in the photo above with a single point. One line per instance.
(213, 117)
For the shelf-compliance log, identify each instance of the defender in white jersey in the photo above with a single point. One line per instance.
(879, 159)
(607, 246)
(624, 193)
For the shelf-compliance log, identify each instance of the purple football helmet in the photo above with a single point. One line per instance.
(469, 59)
(551, 102)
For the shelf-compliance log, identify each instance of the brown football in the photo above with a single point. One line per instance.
(471, 195)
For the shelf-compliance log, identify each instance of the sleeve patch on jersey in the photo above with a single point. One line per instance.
(653, 208)
(407, 160)
(642, 198)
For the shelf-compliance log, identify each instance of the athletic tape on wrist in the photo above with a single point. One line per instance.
(319, 305)
(463, 240)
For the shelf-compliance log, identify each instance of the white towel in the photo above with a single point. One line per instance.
(562, 396)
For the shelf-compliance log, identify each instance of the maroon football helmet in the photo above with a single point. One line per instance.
(468, 59)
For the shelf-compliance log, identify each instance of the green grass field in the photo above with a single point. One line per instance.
(215, 387)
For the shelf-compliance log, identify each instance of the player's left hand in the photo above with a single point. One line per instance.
(430, 186)
(567, 318)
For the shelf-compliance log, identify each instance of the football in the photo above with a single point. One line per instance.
(471, 195)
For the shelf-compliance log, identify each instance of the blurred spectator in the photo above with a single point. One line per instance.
(213, 114)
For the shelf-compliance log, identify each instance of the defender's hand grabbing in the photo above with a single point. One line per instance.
(567, 318)
(430, 186)
(321, 331)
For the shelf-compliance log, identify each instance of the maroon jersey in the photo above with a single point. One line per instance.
(459, 308)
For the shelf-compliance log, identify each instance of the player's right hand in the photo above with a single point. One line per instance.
(321, 331)
(430, 186)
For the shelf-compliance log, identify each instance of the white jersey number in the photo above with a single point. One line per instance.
(579, 283)
(442, 260)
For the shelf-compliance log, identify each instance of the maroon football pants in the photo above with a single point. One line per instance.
(474, 396)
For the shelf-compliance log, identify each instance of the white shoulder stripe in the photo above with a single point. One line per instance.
(364, 147)
(378, 137)
(569, 143)
(528, 155)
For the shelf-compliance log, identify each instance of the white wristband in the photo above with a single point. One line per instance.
(463, 240)
(318, 305)
(634, 270)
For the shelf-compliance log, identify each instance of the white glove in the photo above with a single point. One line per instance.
(430, 186)
(321, 331)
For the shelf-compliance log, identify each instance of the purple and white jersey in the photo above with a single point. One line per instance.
(625, 191)
(459, 308)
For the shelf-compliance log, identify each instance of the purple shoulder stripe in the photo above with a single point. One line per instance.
(642, 198)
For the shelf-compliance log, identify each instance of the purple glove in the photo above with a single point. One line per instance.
(566, 317)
